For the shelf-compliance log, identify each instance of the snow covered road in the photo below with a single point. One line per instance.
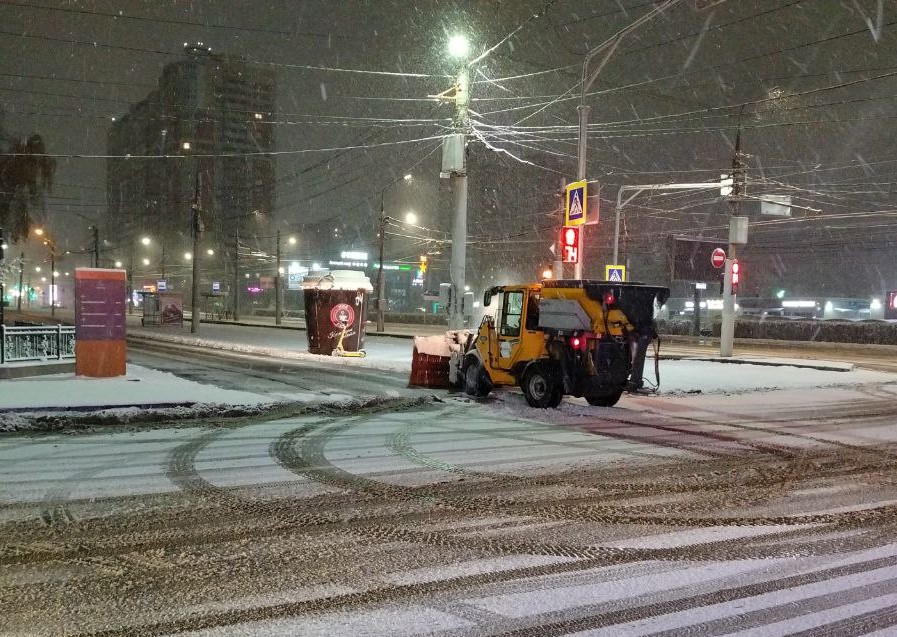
(714, 514)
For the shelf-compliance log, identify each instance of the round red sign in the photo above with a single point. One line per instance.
(342, 314)
(718, 258)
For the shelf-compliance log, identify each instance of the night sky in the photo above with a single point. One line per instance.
(812, 83)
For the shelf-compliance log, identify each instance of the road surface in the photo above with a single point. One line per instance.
(430, 514)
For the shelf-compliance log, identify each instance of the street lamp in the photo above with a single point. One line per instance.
(278, 280)
(51, 245)
(610, 45)
(458, 46)
(381, 282)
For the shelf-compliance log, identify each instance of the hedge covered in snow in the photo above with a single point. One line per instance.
(866, 332)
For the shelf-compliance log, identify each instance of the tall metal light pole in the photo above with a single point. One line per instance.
(2, 287)
(197, 233)
(381, 280)
(96, 246)
(278, 288)
(459, 47)
(21, 275)
(609, 45)
(131, 279)
(381, 284)
(52, 277)
(237, 274)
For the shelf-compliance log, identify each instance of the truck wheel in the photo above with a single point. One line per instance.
(608, 399)
(476, 381)
(540, 388)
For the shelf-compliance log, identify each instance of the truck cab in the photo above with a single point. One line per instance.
(512, 338)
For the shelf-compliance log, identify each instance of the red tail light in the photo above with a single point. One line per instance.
(575, 342)
(609, 298)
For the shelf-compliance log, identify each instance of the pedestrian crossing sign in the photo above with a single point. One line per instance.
(575, 204)
(615, 273)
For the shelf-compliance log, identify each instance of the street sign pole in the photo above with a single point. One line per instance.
(727, 333)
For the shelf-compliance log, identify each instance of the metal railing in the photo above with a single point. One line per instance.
(36, 343)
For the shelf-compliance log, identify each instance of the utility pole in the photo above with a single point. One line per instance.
(2, 287)
(459, 190)
(381, 283)
(21, 276)
(96, 247)
(52, 280)
(727, 330)
(237, 274)
(278, 288)
(197, 233)
(131, 278)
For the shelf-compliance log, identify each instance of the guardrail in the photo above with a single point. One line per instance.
(36, 343)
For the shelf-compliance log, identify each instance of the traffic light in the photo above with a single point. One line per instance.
(736, 275)
(570, 244)
(423, 264)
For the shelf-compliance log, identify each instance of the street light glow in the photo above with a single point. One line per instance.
(146, 261)
(210, 252)
(292, 241)
(411, 217)
(118, 264)
(39, 231)
(408, 177)
(145, 241)
(187, 256)
(458, 46)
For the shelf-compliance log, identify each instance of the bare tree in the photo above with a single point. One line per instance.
(26, 173)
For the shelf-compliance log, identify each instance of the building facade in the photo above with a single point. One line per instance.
(205, 136)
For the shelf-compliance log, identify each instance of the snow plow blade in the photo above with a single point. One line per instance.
(431, 360)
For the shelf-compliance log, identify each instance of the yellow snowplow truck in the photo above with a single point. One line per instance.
(579, 338)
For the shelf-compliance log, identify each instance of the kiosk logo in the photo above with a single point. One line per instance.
(342, 314)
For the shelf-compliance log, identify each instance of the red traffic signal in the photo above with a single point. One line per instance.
(570, 244)
(736, 275)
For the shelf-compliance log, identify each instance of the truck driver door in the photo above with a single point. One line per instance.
(509, 327)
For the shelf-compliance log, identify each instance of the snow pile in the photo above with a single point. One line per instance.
(441, 344)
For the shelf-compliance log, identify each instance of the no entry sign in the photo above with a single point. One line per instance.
(718, 258)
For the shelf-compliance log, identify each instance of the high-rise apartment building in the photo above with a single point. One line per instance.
(205, 134)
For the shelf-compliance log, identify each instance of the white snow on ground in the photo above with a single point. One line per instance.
(143, 386)
(139, 386)
(709, 377)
